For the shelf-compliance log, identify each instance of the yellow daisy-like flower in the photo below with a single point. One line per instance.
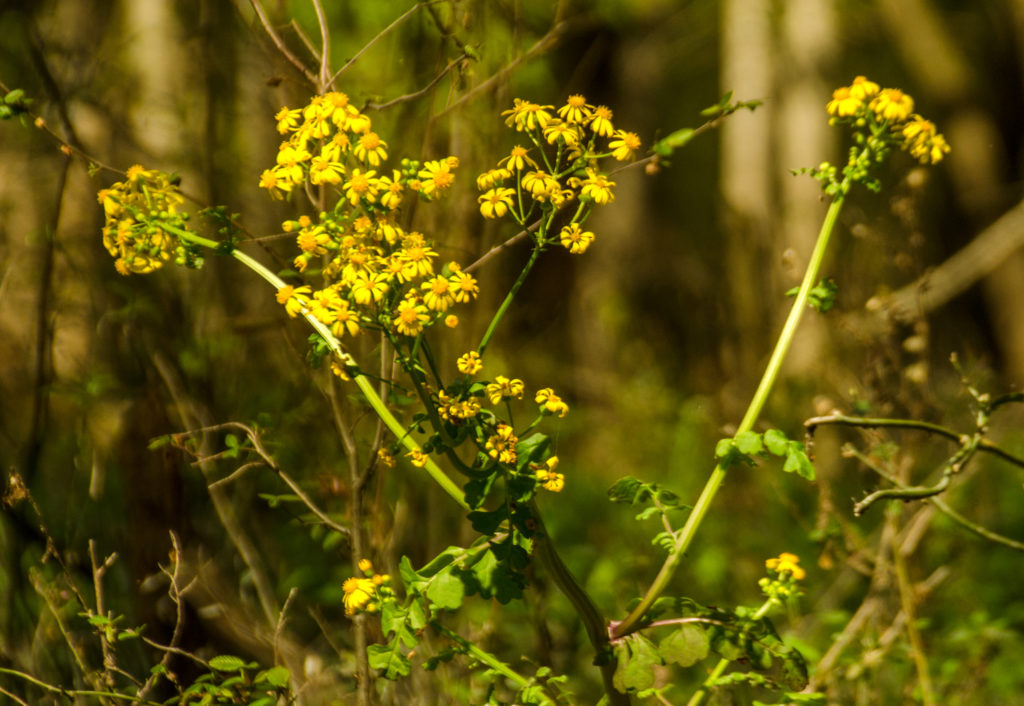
(923, 140)
(361, 185)
(371, 149)
(418, 258)
(385, 458)
(518, 159)
(503, 389)
(451, 321)
(496, 202)
(287, 119)
(392, 187)
(863, 89)
(358, 593)
(324, 171)
(575, 239)
(295, 299)
(437, 293)
(540, 184)
(525, 115)
(369, 289)
(492, 178)
(551, 403)
(464, 286)
(576, 110)
(843, 103)
(892, 104)
(436, 177)
(786, 563)
(410, 318)
(597, 187)
(625, 145)
(272, 182)
(547, 477)
(417, 458)
(557, 130)
(469, 363)
(502, 444)
(601, 123)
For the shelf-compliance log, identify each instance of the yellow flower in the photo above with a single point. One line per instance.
(417, 458)
(892, 104)
(502, 389)
(451, 321)
(371, 149)
(518, 159)
(496, 202)
(464, 287)
(418, 258)
(345, 319)
(923, 141)
(492, 178)
(437, 293)
(502, 444)
(324, 171)
(385, 458)
(470, 363)
(625, 145)
(392, 187)
(369, 289)
(557, 130)
(361, 185)
(843, 103)
(602, 121)
(410, 318)
(547, 477)
(862, 88)
(551, 403)
(576, 110)
(295, 299)
(786, 563)
(540, 184)
(575, 239)
(287, 119)
(525, 115)
(436, 177)
(366, 566)
(597, 187)
(358, 593)
(289, 161)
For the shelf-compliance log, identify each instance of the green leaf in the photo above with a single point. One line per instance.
(776, 442)
(798, 462)
(637, 657)
(532, 449)
(667, 145)
(686, 646)
(226, 663)
(389, 660)
(627, 491)
(486, 522)
(278, 677)
(446, 591)
(14, 96)
(749, 443)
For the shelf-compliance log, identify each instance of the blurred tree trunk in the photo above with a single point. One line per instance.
(804, 139)
(747, 69)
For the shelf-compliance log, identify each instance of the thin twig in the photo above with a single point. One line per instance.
(423, 91)
(325, 46)
(408, 13)
(279, 43)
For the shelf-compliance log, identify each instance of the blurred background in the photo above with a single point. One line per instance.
(656, 337)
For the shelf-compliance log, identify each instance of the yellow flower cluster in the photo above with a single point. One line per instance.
(140, 216)
(532, 179)
(366, 593)
(547, 476)
(375, 273)
(865, 104)
(784, 572)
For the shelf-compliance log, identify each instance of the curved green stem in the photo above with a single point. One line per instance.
(508, 300)
(771, 374)
(362, 382)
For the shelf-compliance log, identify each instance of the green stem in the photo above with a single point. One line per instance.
(508, 300)
(771, 374)
(483, 656)
(69, 693)
(362, 382)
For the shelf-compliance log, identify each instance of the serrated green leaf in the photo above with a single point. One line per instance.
(637, 657)
(627, 491)
(446, 591)
(685, 646)
(409, 575)
(417, 616)
(749, 443)
(776, 442)
(226, 663)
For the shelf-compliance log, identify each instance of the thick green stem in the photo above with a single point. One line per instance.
(771, 374)
(508, 300)
(483, 656)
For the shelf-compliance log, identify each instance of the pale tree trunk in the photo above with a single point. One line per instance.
(804, 139)
(747, 69)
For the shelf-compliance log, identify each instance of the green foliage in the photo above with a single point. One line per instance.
(746, 447)
(822, 296)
